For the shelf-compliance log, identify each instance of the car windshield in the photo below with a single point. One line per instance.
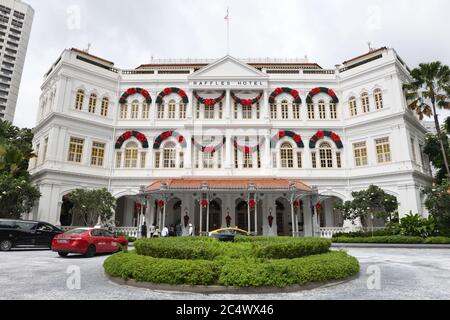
(25, 225)
(76, 231)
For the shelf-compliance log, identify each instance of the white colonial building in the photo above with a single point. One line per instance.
(266, 145)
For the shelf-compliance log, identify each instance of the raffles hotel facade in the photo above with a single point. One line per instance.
(266, 145)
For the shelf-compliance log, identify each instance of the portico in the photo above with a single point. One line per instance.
(268, 207)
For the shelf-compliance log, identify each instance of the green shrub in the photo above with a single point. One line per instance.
(170, 271)
(393, 239)
(285, 272)
(243, 272)
(210, 248)
(179, 248)
(416, 225)
(437, 240)
(295, 248)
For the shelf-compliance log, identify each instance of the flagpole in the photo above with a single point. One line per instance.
(228, 32)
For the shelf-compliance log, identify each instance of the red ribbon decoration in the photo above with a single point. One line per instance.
(252, 203)
(161, 204)
(204, 203)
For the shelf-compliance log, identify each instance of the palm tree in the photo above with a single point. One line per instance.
(431, 82)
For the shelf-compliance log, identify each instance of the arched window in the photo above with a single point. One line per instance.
(286, 156)
(169, 155)
(182, 110)
(352, 106)
(123, 111)
(79, 100)
(92, 103)
(333, 110)
(131, 155)
(172, 106)
(326, 155)
(134, 109)
(284, 109)
(145, 111)
(105, 107)
(311, 114)
(273, 111)
(378, 95)
(161, 111)
(322, 112)
(365, 102)
(296, 110)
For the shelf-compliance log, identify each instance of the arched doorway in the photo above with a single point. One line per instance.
(329, 216)
(126, 212)
(242, 216)
(215, 215)
(66, 216)
(283, 217)
(173, 213)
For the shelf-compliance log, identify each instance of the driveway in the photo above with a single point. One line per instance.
(387, 273)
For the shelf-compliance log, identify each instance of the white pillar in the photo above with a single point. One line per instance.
(228, 152)
(292, 218)
(256, 216)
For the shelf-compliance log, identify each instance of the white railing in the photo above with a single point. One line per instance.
(329, 232)
(129, 231)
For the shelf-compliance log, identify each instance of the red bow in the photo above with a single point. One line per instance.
(161, 204)
(167, 91)
(297, 138)
(335, 137)
(320, 135)
(278, 91)
(131, 91)
(209, 102)
(281, 134)
(252, 203)
(294, 93)
(246, 102)
(204, 203)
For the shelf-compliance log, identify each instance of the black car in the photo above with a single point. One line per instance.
(24, 233)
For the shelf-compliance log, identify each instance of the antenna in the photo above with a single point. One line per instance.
(370, 46)
(88, 47)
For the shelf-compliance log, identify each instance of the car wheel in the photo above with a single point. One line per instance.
(63, 254)
(6, 245)
(90, 252)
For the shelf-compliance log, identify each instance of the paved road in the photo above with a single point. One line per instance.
(404, 273)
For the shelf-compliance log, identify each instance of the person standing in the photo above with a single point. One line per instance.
(191, 230)
(152, 230)
(156, 233)
(165, 232)
(144, 230)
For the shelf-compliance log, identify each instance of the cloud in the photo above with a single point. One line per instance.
(130, 32)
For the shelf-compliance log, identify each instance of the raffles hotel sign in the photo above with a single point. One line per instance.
(227, 84)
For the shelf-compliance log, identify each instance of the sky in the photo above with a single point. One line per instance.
(130, 32)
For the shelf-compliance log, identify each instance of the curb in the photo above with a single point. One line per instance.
(227, 290)
(390, 245)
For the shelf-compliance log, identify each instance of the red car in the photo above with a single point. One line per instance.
(88, 241)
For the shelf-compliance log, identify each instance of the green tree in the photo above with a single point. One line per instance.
(17, 193)
(431, 82)
(90, 205)
(432, 148)
(373, 202)
(438, 204)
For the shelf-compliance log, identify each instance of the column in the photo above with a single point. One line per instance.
(292, 218)
(190, 105)
(228, 152)
(267, 151)
(188, 153)
(265, 106)
(227, 109)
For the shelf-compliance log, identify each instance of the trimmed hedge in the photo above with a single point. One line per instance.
(141, 268)
(393, 239)
(244, 272)
(211, 249)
